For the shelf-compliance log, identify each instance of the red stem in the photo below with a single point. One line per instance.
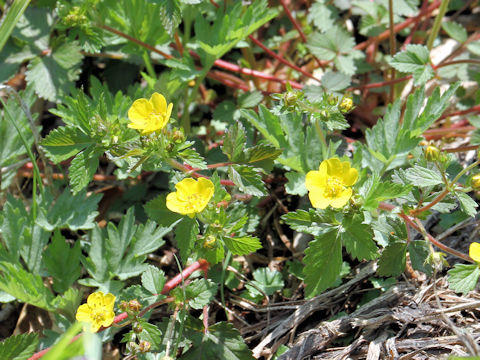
(200, 264)
(408, 40)
(293, 20)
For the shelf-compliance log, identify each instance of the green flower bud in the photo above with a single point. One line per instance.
(134, 305)
(432, 153)
(144, 346)
(209, 242)
(332, 100)
(290, 98)
(137, 328)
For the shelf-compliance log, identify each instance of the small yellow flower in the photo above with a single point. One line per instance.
(346, 104)
(432, 153)
(331, 184)
(98, 310)
(474, 251)
(149, 115)
(191, 196)
(476, 182)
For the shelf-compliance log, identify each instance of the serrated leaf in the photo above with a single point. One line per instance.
(18, 347)
(269, 281)
(335, 81)
(323, 262)
(193, 158)
(419, 251)
(323, 16)
(64, 142)
(63, 262)
(455, 31)
(170, 15)
(463, 278)
(393, 259)
(221, 342)
(10, 19)
(83, 167)
(242, 245)
(267, 124)
(295, 184)
(198, 293)
(247, 180)
(249, 99)
(151, 334)
(74, 212)
(423, 177)
(234, 142)
(156, 210)
(467, 204)
(153, 279)
(414, 59)
(330, 44)
(309, 222)
(25, 286)
(186, 234)
(381, 191)
(358, 238)
(53, 74)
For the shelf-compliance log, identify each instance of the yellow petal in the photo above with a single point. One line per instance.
(175, 205)
(315, 180)
(95, 299)
(474, 251)
(350, 176)
(318, 200)
(342, 199)
(140, 110)
(205, 188)
(96, 325)
(109, 300)
(83, 313)
(334, 167)
(169, 112)
(159, 103)
(185, 188)
(109, 317)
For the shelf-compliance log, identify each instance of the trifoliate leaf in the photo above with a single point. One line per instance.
(234, 142)
(193, 158)
(199, 293)
(323, 262)
(323, 16)
(310, 222)
(393, 259)
(242, 245)
(419, 252)
(358, 238)
(467, 204)
(151, 334)
(296, 183)
(335, 81)
(64, 142)
(415, 60)
(18, 347)
(186, 234)
(83, 167)
(247, 180)
(381, 191)
(269, 281)
(463, 278)
(153, 279)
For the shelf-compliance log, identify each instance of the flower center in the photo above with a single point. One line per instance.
(193, 201)
(98, 315)
(334, 186)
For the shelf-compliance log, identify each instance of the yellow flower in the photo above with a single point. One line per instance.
(149, 115)
(98, 310)
(191, 196)
(474, 251)
(331, 184)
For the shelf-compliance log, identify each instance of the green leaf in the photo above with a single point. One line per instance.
(234, 142)
(9, 20)
(151, 333)
(358, 238)
(296, 183)
(221, 342)
(419, 252)
(323, 16)
(335, 81)
(193, 158)
(153, 279)
(463, 278)
(13, 219)
(148, 238)
(198, 293)
(249, 99)
(267, 124)
(242, 245)
(74, 212)
(414, 59)
(25, 286)
(63, 262)
(83, 167)
(467, 204)
(53, 74)
(18, 347)
(186, 235)
(269, 281)
(455, 31)
(393, 259)
(247, 180)
(170, 15)
(381, 191)
(323, 262)
(262, 155)
(423, 177)
(68, 303)
(66, 348)
(157, 210)
(309, 222)
(328, 45)
(64, 142)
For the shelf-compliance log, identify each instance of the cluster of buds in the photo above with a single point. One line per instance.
(75, 17)
(131, 307)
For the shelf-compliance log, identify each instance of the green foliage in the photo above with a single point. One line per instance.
(463, 278)
(266, 282)
(415, 60)
(19, 347)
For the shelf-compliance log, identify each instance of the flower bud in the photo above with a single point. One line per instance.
(432, 153)
(144, 346)
(346, 104)
(332, 100)
(209, 242)
(134, 305)
(137, 328)
(123, 306)
(476, 182)
(290, 98)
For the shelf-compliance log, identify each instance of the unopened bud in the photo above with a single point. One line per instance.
(123, 306)
(134, 305)
(137, 328)
(144, 346)
(432, 153)
(209, 242)
(476, 182)
(290, 98)
(332, 100)
(346, 104)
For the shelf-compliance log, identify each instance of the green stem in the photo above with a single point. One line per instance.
(148, 65)
(438, 22)
(222, 279)
(321, 135)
